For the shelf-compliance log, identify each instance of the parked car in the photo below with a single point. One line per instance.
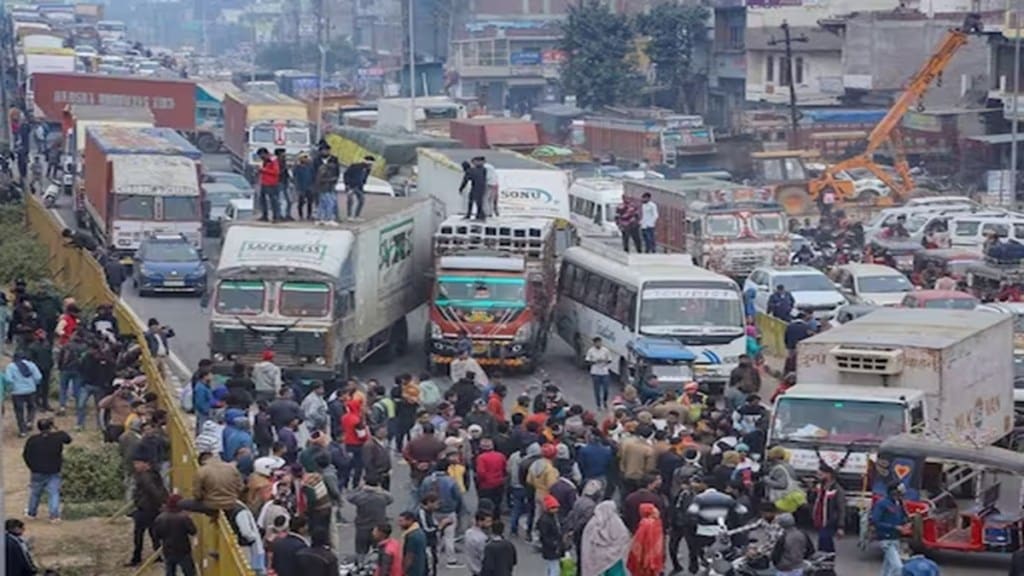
(233, 178)
(873, 284)
(811, 289)
(168, 263)
(218, 196)
(240, 209)
(940, 300)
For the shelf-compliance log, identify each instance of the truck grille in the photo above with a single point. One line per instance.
(289, 348)
(867, 361)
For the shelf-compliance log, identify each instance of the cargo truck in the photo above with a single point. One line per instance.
(77, 119)
(323, 298)
(729, 228)
(494, 283)
(140, 181)
(947, 374)
(526, 187)
(254, 120)
(40, 60)
(210, 114)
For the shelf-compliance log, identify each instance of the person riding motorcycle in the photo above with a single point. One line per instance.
(803, 256)
(708, 507)
(897, 229)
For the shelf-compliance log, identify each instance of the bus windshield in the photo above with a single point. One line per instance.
(676, 305)
(470, 292)
(822, 419)
(240, 298)
(305, 299)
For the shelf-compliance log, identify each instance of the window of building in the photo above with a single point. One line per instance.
(798, 70)
(769, 68)
(783, 71)
(735, 37)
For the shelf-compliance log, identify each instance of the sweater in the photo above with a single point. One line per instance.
(19, 384)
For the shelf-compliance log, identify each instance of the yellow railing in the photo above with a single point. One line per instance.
(773, 335)
(217, 552)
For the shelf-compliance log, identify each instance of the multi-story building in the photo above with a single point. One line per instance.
(727, 73)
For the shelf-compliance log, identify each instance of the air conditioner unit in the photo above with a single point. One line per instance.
(884, 362)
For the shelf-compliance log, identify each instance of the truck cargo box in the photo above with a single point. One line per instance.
(172, 101)
(511, 133)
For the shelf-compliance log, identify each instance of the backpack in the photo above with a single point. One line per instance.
(233, 520)
(681, 518)
(524, 471)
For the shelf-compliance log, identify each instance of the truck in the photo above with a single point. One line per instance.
(322, 298)
(140, 181)
(77, 119)
(656, 138)
(526, 187)
(507, 133)
(254, 120)
(210, 114)
(947, 374)
(495, 282)
(729, 228)
(40, 60)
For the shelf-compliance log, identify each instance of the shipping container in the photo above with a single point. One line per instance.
(172, 102)
(254, 120)
(511, 133)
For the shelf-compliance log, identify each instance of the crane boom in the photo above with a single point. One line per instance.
(887, 129)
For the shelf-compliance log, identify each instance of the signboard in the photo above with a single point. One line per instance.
(526, 58)
(690, 294)
(396, 248)
(375, 72)
(553, 56)
(323, 251)
(922, 122)
(773, 3)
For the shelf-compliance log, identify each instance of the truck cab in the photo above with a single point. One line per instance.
(660, 365)
(735, 237)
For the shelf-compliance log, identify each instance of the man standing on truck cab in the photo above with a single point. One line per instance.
(270, 178)
(627, 218)
(475, 174)
(648, 220)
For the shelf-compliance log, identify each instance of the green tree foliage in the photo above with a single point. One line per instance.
(21, 256)
(675, 34)
(306, 56)
(599, 46)
(92, 473)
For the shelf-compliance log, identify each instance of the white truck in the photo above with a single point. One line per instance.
(947, 374)
(526, 187)
(322, 297)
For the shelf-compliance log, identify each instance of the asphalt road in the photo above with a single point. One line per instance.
(190, 344)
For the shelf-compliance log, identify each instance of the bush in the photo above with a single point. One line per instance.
(21, 256)
(92, 474)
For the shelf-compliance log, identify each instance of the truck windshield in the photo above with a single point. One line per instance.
(263, 135)
(181, 208)
(304, 299)
(131, 207)
(681, 306)
(296, 137)
(469, 292)
(845, 421)
(240, 297)
(767, 224)
(725, 225)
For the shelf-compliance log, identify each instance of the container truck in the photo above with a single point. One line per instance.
(141, 181)
(172, 101)
(526, 187)
(77, 119)
(494, 282)
(40, 60)
(507, 133)
(944, 373)
(729, 228)
(323, 298)
(254, 120)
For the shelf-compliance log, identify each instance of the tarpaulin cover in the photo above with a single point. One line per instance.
(397, 148)
(842, 116)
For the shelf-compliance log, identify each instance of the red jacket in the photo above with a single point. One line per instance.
(351, 433)
(66, 326)
(270, 173)
(393, 550)
(495, 407)
(490, 470)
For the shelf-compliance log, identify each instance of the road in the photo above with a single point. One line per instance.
(190, 344)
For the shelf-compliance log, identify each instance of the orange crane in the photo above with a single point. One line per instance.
(887, 129)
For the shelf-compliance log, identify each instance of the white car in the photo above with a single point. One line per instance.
(811, 289)
(943, 202)
(873, 284)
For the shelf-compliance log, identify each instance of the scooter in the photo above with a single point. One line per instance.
(50, 196)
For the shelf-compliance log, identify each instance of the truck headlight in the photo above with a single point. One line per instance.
(218, 357)
(435, 331)
(524, 333)
(321, 361)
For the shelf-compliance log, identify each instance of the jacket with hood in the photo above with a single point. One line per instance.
(266, 376)
(542, 476)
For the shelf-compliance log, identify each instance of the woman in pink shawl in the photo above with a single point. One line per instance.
(605, 543)
(647, 556)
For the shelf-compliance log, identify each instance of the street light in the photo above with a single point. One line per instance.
(320, 92)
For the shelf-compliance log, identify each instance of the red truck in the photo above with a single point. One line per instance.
(173, 102)
(510, 133)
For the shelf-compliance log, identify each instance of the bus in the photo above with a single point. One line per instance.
(592, 205)
(620, 297)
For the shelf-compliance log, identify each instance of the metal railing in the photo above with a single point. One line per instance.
(216, 551)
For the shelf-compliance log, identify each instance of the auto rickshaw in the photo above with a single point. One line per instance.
(898, 254)
(660, 365)
(942, 261)
(960, 497)
(992, 280)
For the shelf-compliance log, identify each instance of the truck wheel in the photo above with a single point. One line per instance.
(794, 199)
(343, 370)
(398, 340)
(207, 143)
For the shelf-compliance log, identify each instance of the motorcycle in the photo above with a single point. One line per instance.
(723, 558)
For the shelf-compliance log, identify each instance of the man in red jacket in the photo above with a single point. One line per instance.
(490, 475)
(354, 434)
(270, 180)
(495, 402)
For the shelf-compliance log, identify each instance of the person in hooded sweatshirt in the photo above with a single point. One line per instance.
(236, 436)
(266, 377)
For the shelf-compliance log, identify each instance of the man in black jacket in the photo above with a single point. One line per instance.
(174, 529)
(318, 560)
(44, 456)
(355, 178)
(150, 496)
(284, 551)
(475, 174)
(19, 560)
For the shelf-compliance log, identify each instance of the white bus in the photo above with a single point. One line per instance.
(592, 205)
(620, 297)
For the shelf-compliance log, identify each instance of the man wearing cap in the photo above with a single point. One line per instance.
(792, 547)
(490, 474)
(266, 377)
(304, 174)
(888, 517)
(549, 531)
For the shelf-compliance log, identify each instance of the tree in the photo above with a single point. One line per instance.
(675, 34)
(599, 46)
(306, 56)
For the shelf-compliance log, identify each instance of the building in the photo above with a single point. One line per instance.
(727, 73)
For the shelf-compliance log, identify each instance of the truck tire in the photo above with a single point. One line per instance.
(207, 143)
(398, 340)
(343, 370)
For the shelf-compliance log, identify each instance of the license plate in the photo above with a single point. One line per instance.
(479, 348)
(174, 283)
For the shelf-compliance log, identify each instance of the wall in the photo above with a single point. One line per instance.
(883, 53)
(821, 74)
(770, 13)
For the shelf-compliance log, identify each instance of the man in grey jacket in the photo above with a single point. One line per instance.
(266, 376)
(792, 548)
(371, 502)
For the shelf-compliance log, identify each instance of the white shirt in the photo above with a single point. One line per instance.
(648, 215)
(599, 359)
(492, 175)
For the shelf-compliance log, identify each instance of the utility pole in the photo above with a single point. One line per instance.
(794, 114)
(1016, 101)
(412, 69)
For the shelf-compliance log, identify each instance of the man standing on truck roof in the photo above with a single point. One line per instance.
(648, 220)
(284, 182)
(492, 186)
(270, 179)
(475, 174)
(627, 218)
(355, 178)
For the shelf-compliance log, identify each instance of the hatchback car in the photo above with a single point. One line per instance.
(811, 289)
(940, 300)
(168, 263)
(873, 284)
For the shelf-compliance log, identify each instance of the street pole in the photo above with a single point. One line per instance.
(794, 114)
(1016, 101)
(320, 93)
(252, 62)
(412, 70)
